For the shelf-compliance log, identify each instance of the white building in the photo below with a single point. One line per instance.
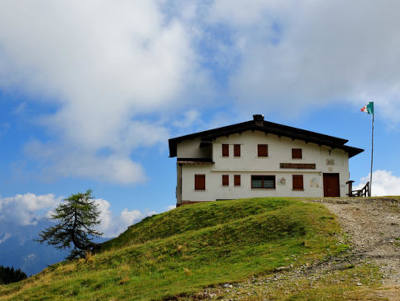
(258, 158)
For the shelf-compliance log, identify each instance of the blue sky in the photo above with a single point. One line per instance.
(90, 92)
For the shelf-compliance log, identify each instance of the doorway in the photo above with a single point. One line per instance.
(331, 185)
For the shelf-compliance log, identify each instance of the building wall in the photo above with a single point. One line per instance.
(279, 151)
(192, 149)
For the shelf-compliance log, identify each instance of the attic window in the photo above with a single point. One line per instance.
(297, 153)
(225, 150)
(262, 150)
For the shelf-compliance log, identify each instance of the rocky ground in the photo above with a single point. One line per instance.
(373, 225)
(373, 228)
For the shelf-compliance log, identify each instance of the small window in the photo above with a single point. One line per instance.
(236, 150)
(263, 182)
(225, 180)
(297, 153)
(297, 182)
(262, 150)
(199, 182)
(237, 180)
(225, 150)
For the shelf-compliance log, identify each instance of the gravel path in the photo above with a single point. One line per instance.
(373, 226)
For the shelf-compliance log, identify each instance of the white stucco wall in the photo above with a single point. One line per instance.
(279, 151)
(192, 149)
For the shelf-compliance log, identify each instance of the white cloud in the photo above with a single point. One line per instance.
(301, 54)
(383, 183)
(64, 161)
(28, 209)
(4, 237)
(112, 225)
(104, 64)
(113, 71)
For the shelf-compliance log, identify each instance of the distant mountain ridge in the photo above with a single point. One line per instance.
(19, 250)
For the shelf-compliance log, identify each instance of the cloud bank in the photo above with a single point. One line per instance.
(383, 183)
(116, 73)
(28, 209)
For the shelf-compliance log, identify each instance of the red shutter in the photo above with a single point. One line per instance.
(225, 180)
(200, 182)
(298, 182)
(225, 150)
(237, 180)
(236, 150)
(262, 150)
(297, 153)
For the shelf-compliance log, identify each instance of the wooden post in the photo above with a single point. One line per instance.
(350, 191)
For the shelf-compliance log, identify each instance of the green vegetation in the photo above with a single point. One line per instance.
(9, 275)
(190, 247)
(76, 216)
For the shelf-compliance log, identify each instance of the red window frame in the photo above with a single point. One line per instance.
(262, 150)
(225, 180)
(297, 153)
(236, 150)
(225, 150)
(199, 182)
(297, 182)
(236, 180)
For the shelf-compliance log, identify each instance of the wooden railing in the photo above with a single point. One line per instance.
(363, 192)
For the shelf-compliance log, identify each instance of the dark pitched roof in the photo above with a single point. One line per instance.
(259, 124)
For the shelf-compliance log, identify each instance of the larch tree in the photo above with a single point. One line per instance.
(77, 217)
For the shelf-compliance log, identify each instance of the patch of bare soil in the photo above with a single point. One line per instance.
(373, 226)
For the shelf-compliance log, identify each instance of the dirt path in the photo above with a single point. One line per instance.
(373, 226)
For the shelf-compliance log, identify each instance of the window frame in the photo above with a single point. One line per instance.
(262, 181)
(297, 153)
(196, 182)
(237, 181)
(225, 150)
(260, 151)
(236, 150)
(225, 180)
(299, 188)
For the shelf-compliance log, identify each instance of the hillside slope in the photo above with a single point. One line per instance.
(185, 249)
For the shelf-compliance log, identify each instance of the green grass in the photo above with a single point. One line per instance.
(357, 283)
(190, 247)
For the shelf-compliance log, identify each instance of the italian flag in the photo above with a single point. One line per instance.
(369, 108)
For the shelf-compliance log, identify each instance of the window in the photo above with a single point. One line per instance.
(263, 182)
(199, 182)
(297, 182)
(225, 180)
(262, 150)
(225, 150)
(237, 180)
(297, 153)
(236, 150)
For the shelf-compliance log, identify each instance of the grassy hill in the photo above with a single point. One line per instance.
(182, 250)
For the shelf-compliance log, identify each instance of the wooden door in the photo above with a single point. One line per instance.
(331, 185)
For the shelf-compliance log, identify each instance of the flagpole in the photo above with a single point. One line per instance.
(372, 152)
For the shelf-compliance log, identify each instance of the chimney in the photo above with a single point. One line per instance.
(258, 119)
